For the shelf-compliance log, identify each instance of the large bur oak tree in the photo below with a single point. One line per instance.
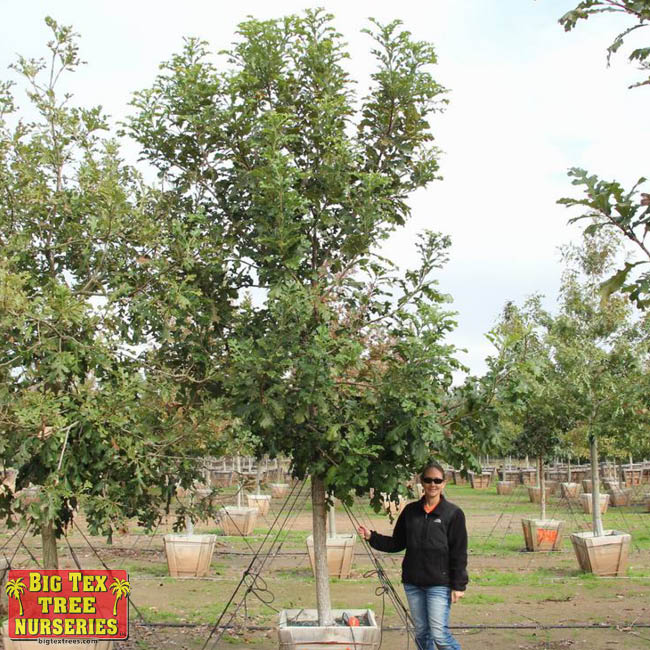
(331, 356)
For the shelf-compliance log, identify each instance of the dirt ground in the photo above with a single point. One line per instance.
(515, 599)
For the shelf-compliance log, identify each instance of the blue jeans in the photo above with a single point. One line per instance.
(430, 611)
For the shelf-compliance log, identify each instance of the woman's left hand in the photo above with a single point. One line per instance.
(456, 596)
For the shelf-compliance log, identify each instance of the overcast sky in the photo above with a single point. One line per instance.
(527, 102)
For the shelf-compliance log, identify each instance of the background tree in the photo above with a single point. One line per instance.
(529, 402)
(601, 354)
(609, 205)
(78, 416)
(333, 358)
(639, 10)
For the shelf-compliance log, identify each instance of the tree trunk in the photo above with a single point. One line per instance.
(568, 465)
(542, 487)
(50, 555)
(258, 476)
(323, 601)
(597, 520)
(239, 482)
(331, 521)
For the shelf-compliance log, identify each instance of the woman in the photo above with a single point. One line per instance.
(434, 570)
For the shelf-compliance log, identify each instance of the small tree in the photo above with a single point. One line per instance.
(601, 353)
(531, 398)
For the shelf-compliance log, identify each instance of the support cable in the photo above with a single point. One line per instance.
(249, 569)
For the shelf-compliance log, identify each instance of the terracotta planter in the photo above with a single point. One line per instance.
(279, 490)
(570, 490)
(605, 555)
(459, 479)
(505, 487)
(260, 501)
(586, 485)
(542, 534)
(293, 634)
(340, 553)
(189, 555)
(620, 497)
(480, 481)
(237, 521)
(585, 502)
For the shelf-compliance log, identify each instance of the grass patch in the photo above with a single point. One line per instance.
(481, 599)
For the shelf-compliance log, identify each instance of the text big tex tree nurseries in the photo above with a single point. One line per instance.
(68, 604)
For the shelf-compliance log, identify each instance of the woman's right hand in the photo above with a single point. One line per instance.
(364, 532)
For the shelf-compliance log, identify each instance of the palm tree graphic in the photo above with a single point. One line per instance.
(14, 589)
(120, 588)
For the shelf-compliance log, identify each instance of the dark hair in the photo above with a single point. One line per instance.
(432, 464)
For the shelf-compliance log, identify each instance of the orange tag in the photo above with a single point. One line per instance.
(546, 535)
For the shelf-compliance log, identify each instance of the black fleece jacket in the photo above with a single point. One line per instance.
(435, 543)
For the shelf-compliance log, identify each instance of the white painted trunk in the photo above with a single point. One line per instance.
(597, 520)
(239, 482)
(331, 521)
(323, 601)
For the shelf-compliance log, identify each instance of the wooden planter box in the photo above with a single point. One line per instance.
(391, 507)
(542, 534)
(340, 553)
(528, 477)
(552, 487)
(632, 477)
(279, 490)
(570, 490)
(610, 484)
(620, 497)
(578, 475)
(535, 494)
(220, 478)
(505, 487)
(4, 574)
(8, 478)
(260, 501)
(189, 555)
(585, 502)
(237, 521)
(29, 495)
(586, 484)
(459, 479)
(480, 481)
(293, 634)
(605, 555)
(647, 502)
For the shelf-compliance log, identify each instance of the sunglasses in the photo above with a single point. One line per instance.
(428, 479)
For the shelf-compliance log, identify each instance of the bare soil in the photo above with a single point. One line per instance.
(516, 599)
